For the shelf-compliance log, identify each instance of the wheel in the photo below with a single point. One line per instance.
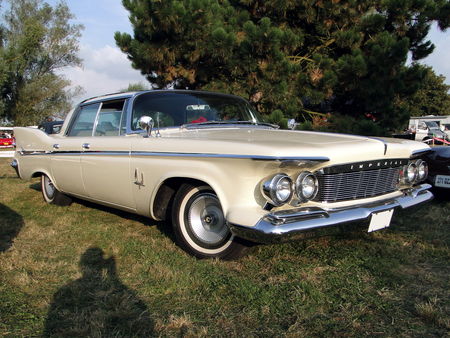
(200, 226)
(51, 194)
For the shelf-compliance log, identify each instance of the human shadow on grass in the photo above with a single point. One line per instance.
(10, 225)
(97, 304)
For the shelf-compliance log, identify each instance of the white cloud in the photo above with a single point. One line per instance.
(105, 70)
(440, 57)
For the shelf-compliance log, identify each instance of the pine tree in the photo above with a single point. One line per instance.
(291, 55)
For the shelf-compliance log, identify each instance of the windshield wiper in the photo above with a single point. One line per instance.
(206, 123)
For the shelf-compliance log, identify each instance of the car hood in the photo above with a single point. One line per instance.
(286, 144)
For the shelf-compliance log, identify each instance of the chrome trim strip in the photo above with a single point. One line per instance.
(283, 226)
(33, 152)
(382, 141)
(170, 154)
(15, 164)
(235, 156)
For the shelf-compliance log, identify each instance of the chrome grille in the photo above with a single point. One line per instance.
(357, 184)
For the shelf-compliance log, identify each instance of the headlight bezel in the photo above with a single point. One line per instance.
(410, 168)
(422, 166)
(414, 172)
(300, 184)
(270, 186)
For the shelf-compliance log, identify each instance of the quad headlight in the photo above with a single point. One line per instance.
(278, 190)
(411, 172)
(306, 186)
(422, 170)
(415, 172)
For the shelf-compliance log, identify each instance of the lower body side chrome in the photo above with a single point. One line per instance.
(15, 165)
(294, 224)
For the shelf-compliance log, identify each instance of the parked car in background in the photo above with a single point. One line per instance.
(207, 164)
(6, 137)
(439, 167)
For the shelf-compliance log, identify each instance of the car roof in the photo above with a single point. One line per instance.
(124, 95)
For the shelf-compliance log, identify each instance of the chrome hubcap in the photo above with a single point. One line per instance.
(206, 219)
(49, 187)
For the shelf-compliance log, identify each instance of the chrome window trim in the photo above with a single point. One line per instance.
(94, 127)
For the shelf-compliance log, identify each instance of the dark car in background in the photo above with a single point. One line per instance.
(438, 160)
(51, 127)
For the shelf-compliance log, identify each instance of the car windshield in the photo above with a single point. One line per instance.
(173, 109)
(432, 125)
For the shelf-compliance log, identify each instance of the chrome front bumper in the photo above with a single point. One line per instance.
(294, 224)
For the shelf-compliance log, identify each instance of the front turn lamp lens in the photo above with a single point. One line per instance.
(306, 186)
(278, 190)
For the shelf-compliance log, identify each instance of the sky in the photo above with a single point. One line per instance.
(106, 69)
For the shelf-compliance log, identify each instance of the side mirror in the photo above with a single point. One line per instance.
(146, 123)
(292, 124)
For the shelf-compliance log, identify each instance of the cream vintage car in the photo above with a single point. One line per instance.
(207, 164)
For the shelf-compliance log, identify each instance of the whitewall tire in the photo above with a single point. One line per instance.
(200, 225)
(51, 194)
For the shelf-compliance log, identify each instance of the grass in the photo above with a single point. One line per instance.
(86, 270)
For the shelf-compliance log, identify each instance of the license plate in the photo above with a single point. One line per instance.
(380, 220)
(442, 181)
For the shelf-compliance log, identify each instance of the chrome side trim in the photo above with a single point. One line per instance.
(33, 152)
(15, 164)
(170, 154)
(288, 225)
(235, 156)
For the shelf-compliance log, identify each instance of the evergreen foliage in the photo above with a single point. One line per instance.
(432, 98)
(36, 40)
(134, 87)
(346, 56)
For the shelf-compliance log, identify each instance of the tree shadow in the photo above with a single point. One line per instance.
(10, 225)
(97, 304)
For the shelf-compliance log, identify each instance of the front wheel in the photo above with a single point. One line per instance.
(200, 225)
(51, 194)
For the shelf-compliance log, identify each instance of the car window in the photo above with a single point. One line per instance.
(109, 118)
(174, 109)
(84, 121)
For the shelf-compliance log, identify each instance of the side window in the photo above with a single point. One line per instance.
(84, 121)
(109, 118)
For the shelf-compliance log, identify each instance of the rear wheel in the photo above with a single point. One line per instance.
(51, 194)
(200, 225)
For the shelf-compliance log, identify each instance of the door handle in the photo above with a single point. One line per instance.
(86, 146)
(56, 146)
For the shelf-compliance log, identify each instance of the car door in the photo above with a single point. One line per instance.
(67, 151)
(105, 161)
